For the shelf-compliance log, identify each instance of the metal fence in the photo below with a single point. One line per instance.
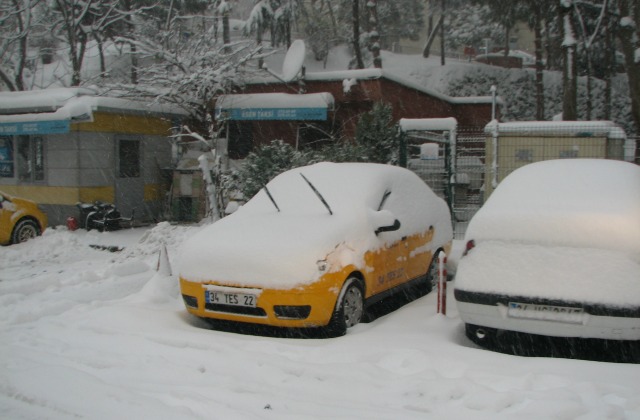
(484, 157)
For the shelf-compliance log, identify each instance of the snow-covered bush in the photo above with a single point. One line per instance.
(517, 87)
(263, 164)
(377, 136)
(376, 141)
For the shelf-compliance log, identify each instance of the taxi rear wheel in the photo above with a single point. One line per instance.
(24, 230)
(349, 309)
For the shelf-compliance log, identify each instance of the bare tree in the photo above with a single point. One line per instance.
(258, 22)
(17, 24)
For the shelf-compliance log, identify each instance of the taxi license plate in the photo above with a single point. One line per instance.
(566, 314)
(227, 298)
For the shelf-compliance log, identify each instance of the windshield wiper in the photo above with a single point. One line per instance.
(271, 198)
(384, 199)
(317, 193)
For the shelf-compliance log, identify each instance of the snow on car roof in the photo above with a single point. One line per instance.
(274, 248)
(589, 203)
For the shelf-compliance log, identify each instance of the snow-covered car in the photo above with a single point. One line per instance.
(555, 252)
(20, 219)
(316, 246)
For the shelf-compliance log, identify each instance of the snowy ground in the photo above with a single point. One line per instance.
(94, 334)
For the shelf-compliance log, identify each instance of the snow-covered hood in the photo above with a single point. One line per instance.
(551, 272)
(269, 250)
(585, 203)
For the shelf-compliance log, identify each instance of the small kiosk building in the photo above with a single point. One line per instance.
(68, 145)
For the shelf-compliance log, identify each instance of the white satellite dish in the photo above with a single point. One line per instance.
(293, 60)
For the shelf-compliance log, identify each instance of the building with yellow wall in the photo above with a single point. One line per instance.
(68, 145)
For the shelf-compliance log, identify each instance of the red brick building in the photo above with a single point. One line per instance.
(348, 94)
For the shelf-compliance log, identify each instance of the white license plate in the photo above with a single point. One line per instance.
(565, 314)
(234, 299)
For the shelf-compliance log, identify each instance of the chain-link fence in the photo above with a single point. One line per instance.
(485, 156)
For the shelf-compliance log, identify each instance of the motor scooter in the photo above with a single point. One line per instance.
(101, 216)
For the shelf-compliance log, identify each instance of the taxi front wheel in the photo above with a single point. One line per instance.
(349, 309)
(24, 230)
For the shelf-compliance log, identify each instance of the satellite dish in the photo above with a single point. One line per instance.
(293, 60)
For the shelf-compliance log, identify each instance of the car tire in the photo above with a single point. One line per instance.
(92, 222)
(24, 230)
(349, 309)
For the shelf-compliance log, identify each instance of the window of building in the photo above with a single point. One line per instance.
(129, 158)
(30, 158)
(240, 139)
(6, 157)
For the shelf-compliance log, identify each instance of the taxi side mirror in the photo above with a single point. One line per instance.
(390, 228)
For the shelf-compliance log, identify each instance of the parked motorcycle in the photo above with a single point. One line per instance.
(101, 216)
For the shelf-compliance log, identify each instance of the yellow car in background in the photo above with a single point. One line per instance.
(20, 220)
(316, 246)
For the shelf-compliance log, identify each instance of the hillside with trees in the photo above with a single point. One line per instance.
(186, 52)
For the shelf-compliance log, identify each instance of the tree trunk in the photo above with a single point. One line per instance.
(7, 81)
(226, 32)
(629, 36)
(539, 64)
(134, 64)
(432, 35)
(356, 34)
(442, 52)
(332, 17)
(374, 35)
(259, 42)
(507, 31)
(103, 65)
(569, 69)
(609, 65)
(132, 46)
(23, 45)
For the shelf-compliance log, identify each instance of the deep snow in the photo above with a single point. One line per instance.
(89, 333)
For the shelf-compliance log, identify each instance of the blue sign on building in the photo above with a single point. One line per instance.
(34, 127)
(256, 114)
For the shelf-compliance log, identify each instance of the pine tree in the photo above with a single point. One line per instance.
(377, 135)
(265, 163)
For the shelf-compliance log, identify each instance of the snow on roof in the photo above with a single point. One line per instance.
(587, 203)
(39, 100)
(275, 100)
(374, 73)
(70, 104)
(577, 128)
(428, 124)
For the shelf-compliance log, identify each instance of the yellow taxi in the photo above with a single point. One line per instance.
(316, 246)
(20, 220)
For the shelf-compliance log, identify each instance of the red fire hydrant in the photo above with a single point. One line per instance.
(72, 223)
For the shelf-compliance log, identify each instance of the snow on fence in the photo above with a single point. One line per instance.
(518, 144)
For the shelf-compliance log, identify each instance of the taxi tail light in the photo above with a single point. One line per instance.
(469, 246)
